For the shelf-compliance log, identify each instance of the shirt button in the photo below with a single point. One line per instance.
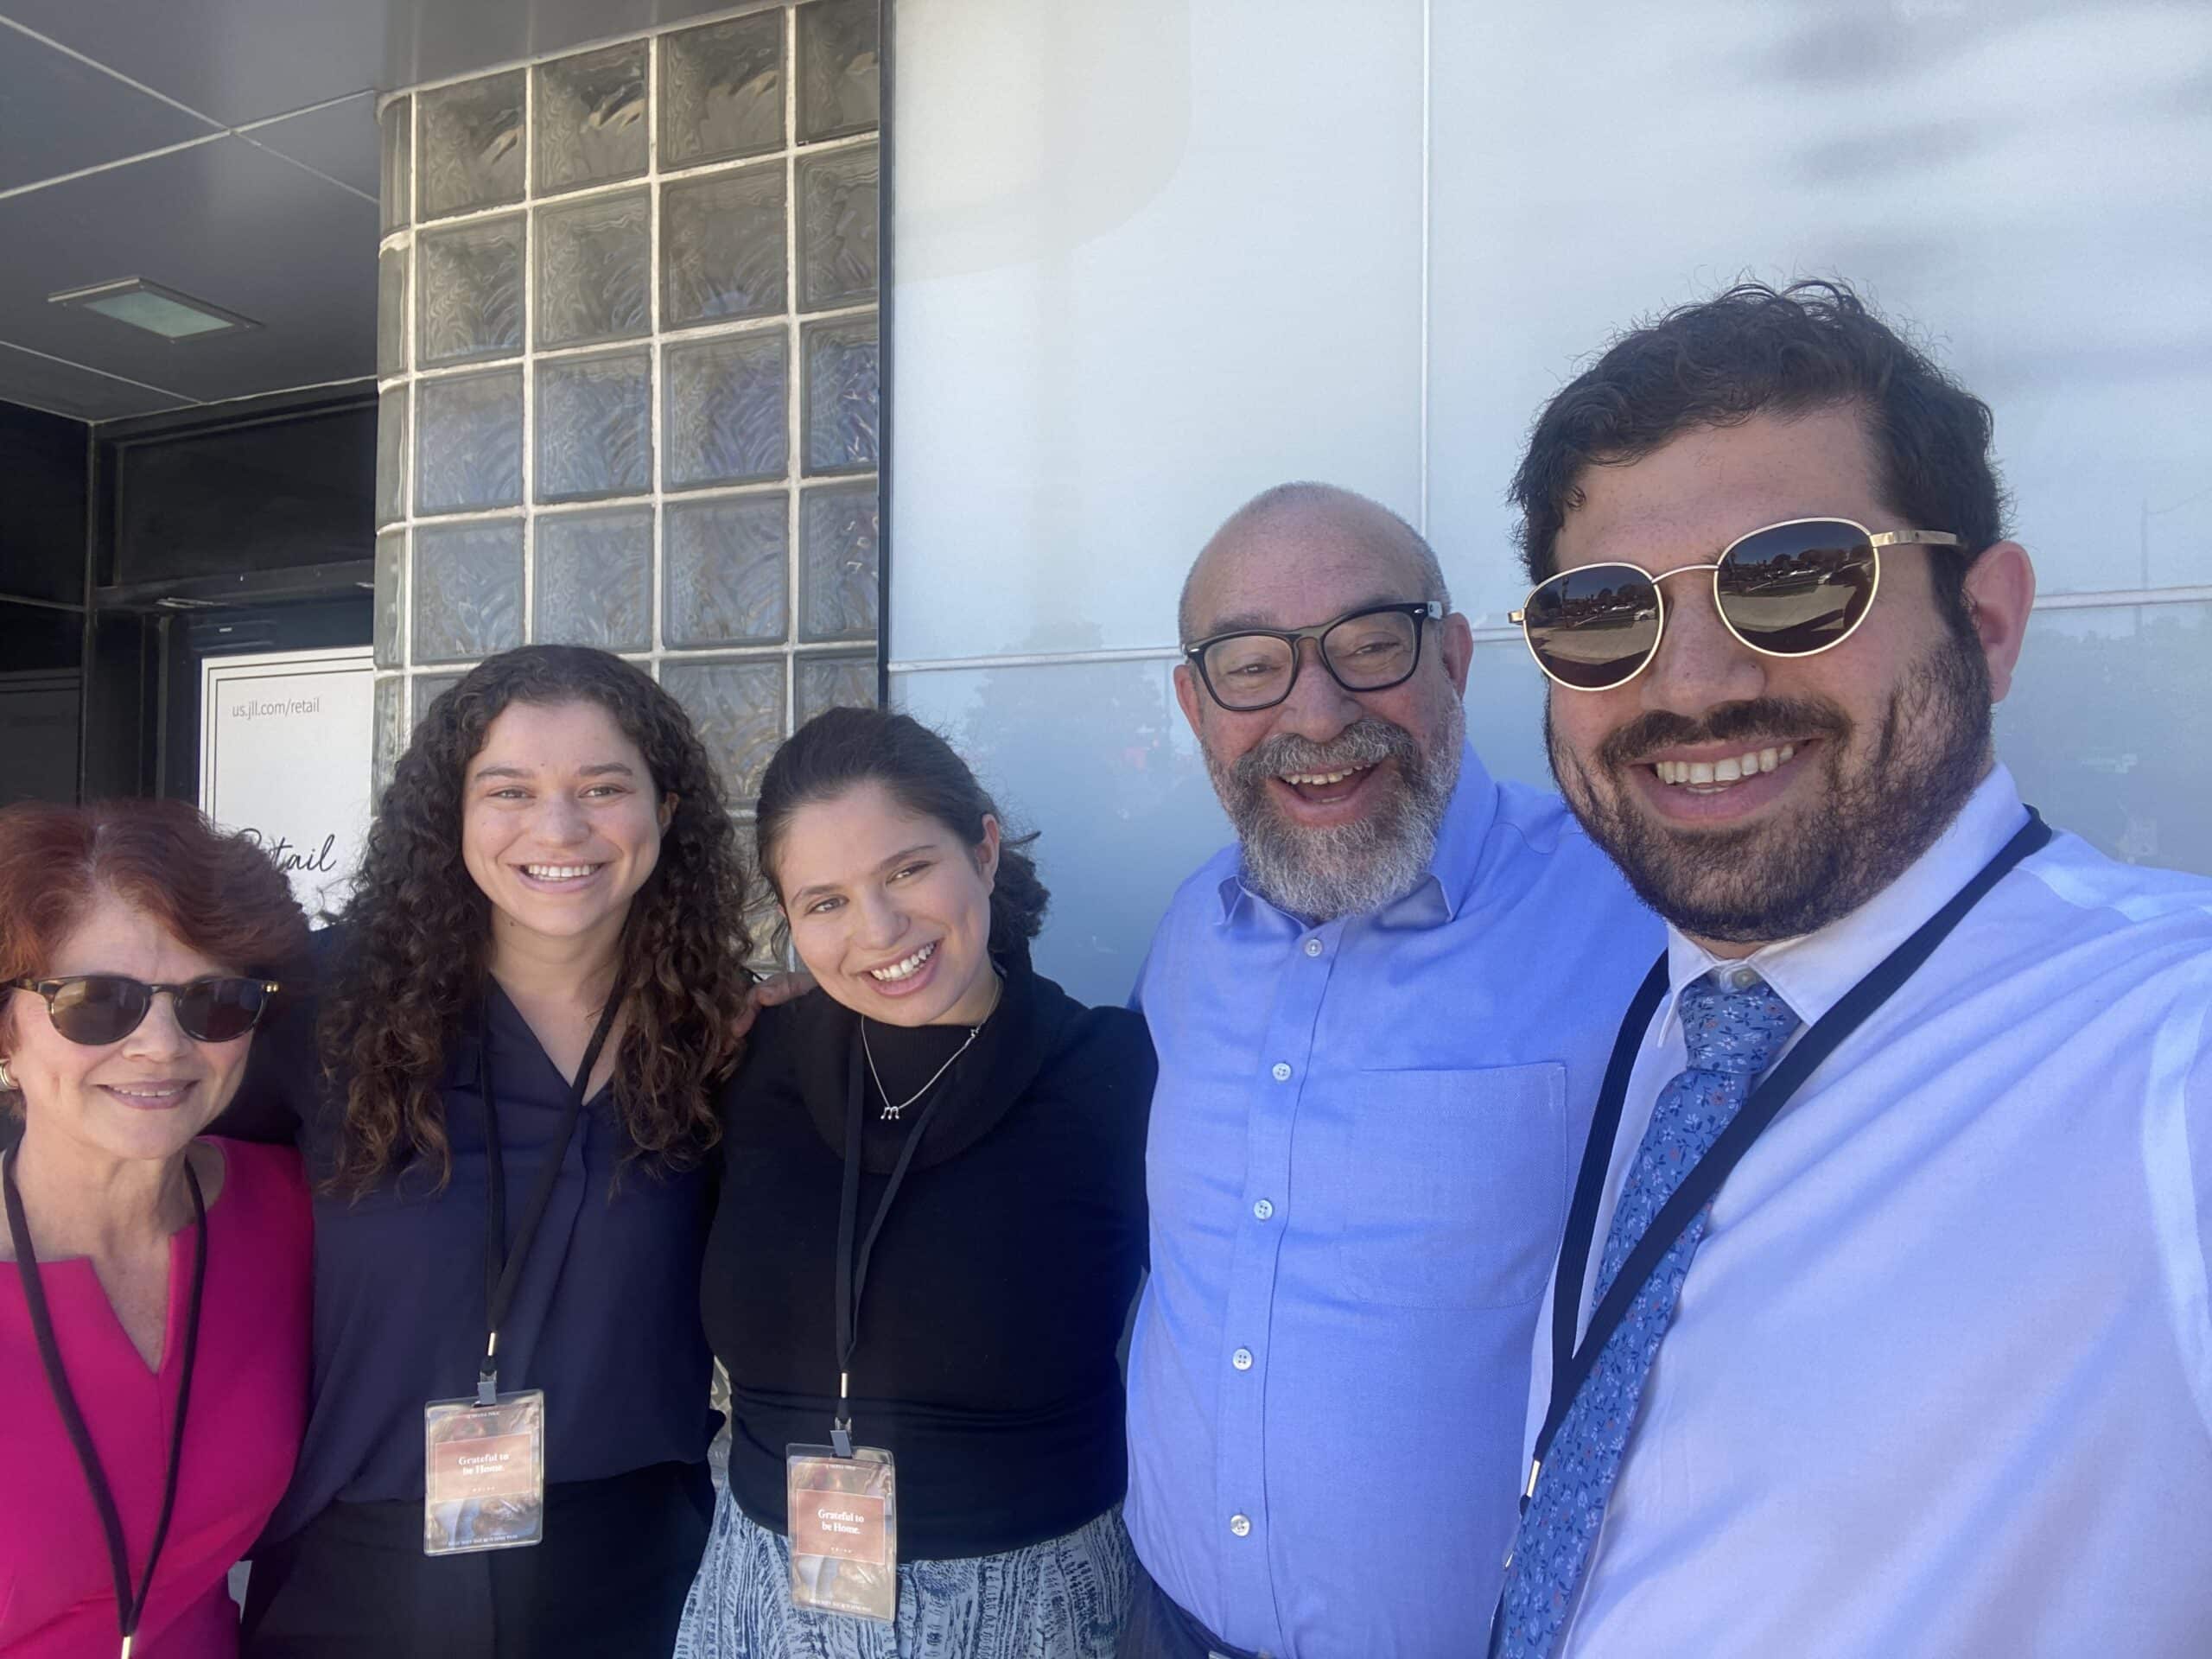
(1282, 1071)
(1242, 1359)
(1240, 1524)
(1743, 979)
(1262, 1209)
(1312, 947)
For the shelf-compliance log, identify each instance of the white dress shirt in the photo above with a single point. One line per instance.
(1940, 1380)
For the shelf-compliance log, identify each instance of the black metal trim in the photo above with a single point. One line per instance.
(885, 85)
(41, 604)
(325, 580)
(258, 410)
(86, 661)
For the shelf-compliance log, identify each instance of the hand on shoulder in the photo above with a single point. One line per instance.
(779, 988)
(776, 991)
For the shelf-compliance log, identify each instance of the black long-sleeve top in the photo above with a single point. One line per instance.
(997, 1291)
(606, 1315)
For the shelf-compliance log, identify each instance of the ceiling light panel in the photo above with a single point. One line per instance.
(155, 310)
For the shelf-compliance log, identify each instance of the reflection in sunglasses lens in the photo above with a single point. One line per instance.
(217, 1010)
(100, 1008)
(1797, 588)
(1596, 626)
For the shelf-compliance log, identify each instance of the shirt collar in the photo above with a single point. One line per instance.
(464, 1066)
(492, 1016)
(1812, 972)
(1453, 869)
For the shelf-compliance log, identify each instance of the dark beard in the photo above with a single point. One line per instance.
(1350, 868)
(1890, 794)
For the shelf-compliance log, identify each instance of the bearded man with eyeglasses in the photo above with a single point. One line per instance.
(1381, 1018)
(1880, 1322)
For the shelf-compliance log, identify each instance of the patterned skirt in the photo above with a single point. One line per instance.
(1064, 1598)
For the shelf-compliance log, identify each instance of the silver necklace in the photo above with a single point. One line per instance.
(891, 1112)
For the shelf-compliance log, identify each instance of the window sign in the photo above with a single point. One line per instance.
(284, 756)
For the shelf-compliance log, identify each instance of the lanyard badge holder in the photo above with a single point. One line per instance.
(843, 1499)
(844, 1528)
(484, 1458)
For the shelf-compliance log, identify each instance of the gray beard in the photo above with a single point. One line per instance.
(1890, 793)
(1347, 870)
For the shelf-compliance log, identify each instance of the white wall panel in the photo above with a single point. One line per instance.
(2109, 726)
(2024, 184)
(1150, 257)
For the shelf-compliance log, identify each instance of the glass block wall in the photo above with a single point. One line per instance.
(627, 361)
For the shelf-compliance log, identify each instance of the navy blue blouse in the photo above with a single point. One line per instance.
(606, 1316)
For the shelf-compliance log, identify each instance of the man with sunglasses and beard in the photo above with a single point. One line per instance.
(1381, 1017)
(1880, 1324)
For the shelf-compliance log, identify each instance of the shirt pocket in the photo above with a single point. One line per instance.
(1455, 1190)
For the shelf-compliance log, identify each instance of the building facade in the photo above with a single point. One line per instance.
(820, 350)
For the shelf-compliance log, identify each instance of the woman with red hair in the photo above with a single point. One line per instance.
(154, 1283)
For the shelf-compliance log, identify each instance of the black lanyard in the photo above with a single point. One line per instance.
(129, 1609)
(503, 1272)
(1571, 1364)
(852, 1277)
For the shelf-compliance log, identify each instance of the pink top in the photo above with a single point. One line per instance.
(249, 1406)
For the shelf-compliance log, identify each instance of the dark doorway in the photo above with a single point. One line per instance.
(249, 531)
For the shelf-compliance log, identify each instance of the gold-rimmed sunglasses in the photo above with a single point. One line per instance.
(1793, 590)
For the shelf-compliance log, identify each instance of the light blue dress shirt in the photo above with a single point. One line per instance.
(1362, 1142)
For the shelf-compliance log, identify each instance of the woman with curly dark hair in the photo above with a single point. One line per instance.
(527, 1009)
(931, 1224)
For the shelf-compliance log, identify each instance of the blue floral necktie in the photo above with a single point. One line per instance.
(1733, 1033)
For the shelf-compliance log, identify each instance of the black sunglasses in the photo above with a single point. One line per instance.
(1792, 589)
(97, 1010)
(1368, 650)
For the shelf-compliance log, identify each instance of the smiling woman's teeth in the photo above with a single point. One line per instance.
(557, 872)
(906, 970)
(1712, 774)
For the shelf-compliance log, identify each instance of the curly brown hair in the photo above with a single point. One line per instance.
(418, 929)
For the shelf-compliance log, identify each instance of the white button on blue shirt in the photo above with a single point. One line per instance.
(1361, 1145)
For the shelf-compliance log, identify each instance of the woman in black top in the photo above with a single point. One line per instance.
(977, 1340)
(552, 857)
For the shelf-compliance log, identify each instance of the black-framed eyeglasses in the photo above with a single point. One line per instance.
(1793, 590)
(1370, 649)
(97, 1010)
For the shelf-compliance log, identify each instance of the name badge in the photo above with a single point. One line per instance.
(843, 1514)
(484, 1474)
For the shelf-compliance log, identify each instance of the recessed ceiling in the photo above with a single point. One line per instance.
(226, 148)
